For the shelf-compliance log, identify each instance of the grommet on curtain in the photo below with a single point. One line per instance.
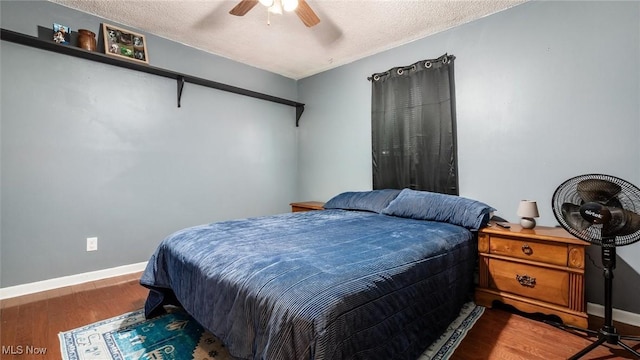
(402, 70)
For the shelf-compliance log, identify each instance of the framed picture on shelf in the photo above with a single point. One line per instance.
(125, 44)
(61, 34)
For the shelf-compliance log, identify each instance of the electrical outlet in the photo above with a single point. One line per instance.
(92, 244)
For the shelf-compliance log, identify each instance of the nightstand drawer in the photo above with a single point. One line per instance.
(533, 282)
(549, 253)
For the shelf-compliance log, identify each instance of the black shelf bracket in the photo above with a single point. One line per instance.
(49, 45)
(180, 87)
(299, 111)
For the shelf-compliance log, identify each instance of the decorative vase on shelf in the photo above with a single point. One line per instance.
(87, 39)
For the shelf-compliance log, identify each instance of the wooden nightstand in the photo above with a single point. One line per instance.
(306, 206)
(537, 270)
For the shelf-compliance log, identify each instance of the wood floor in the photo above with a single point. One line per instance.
(35, 320)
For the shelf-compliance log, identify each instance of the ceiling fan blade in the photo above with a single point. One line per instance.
(571, 214)
(243, 7)
(306, 14)
(596, 190)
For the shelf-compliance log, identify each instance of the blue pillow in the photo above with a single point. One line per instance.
(424, 205)
(374, 200)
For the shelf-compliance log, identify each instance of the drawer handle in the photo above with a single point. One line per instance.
(526, 249)
(526, 280)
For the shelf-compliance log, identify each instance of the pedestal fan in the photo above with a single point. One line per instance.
(603, 210)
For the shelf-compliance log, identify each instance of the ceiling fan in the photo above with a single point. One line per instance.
(301, 8)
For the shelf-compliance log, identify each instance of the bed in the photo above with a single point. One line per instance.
(376, 275)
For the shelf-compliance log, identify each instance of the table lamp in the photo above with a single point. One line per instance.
(527, 211)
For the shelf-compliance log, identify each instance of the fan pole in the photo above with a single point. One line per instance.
(609, 262)
(608, 332)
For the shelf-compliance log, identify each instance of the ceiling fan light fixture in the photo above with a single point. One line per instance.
(289, 5)
(276, 8)
(300, 7)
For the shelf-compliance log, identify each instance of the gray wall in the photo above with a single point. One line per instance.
(95, 150)
(545, 91)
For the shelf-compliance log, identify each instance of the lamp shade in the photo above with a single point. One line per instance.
(528, 209)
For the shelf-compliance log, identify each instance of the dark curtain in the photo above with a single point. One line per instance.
(413, 127)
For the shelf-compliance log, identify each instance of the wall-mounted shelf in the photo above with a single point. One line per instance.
(35, 42)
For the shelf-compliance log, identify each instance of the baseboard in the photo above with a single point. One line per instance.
(618, 315)
(50, 284)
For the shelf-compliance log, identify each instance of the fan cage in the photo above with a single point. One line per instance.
(629, 198)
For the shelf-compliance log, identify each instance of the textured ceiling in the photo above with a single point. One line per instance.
(349, 29)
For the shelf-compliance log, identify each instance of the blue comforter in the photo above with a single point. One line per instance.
(330, 284)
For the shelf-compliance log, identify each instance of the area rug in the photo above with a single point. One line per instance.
(176, 336)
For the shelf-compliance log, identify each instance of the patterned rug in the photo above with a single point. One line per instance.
(171, 336)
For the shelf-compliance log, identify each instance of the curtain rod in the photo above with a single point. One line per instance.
(428, 63)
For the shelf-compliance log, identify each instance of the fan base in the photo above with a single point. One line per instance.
(607, 334)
